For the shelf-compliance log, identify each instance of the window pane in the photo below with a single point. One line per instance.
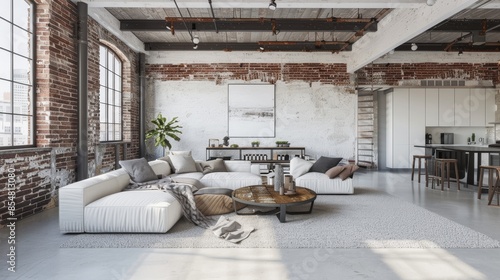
(111, 114)
(103, 131)
(118, 98)
(6, 9)
(111, 82)
(102, 75)
(110, 99)
(5, 97)
(21, 42)
(22, 130)
(118, 114)
(5, 30)
(102, 55)
(118, 83)
(111, 59)
(6, 128)
(22, 97)
(102, 94)
(102, 112)
(110, 132)
(118, 132)
(6, 65)
(21, 13)
(22, 69)
(118, 66)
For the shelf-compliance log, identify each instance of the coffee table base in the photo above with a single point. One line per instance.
(279, 211)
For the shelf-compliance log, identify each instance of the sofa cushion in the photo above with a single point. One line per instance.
(324, 163)
(230, 180)
(183, 164)
(133, 211)
(321, 184)
(192, 175)
(197, 185)
(299, 167)
(139, 170)
(348, 171)
(216, 165)
(334, 171)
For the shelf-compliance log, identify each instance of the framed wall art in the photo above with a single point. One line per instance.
(251, 110)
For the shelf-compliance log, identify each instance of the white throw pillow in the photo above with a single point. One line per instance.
(180, 153)
(299, 167)
(183, 164)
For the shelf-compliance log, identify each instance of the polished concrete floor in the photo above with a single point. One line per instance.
(38, 255)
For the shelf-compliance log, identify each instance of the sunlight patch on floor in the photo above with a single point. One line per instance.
(431, 263)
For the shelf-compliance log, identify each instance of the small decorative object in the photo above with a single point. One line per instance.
(282, 190)
(468, 140)
(473, 138)
(234, 146)
(226, 141)
(278, 177)
(213, 143)
(255, 143)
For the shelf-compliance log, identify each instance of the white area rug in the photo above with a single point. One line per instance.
(367, 219)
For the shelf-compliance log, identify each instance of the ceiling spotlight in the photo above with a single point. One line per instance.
(272, 5)
(414, 47)
(431, 2)
(460, 52)
(261, 48)
(196, 40)
(195, 47)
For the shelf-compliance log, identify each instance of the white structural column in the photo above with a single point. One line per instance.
(400, 26)
(106, 19)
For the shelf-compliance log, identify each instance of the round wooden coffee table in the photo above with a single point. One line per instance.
(265, 196)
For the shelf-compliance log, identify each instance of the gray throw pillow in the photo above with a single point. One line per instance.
(197, 185)
(324, 163)
(216, 165)
(183, 164)
(139, 170)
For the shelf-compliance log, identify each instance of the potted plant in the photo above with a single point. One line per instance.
(255, 143)
(282, 144)
(163, 131)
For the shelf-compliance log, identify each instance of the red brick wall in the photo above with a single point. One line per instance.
(311, 72)
(41, 171)
(393, 73)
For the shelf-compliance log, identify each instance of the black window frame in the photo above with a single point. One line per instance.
(33, 76)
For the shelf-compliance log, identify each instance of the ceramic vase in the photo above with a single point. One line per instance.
(278, 177)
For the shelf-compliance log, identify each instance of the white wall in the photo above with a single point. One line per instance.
(317, 116)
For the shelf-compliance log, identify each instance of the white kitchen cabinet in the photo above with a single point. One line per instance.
(417, 122)
(490, 106)
(446, 107)
(431, 107)
(478, 107)
(462, 107)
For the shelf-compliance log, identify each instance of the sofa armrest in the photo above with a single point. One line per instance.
(255, 169)
(74, 197)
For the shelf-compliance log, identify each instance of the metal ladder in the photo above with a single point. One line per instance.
(366, 129)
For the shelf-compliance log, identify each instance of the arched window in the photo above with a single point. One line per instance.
(16, 74)
(110, 95)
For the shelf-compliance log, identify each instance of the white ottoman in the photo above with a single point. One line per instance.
(132, 211)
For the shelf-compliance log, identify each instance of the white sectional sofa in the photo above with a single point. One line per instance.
(318, 181)
(99, 204)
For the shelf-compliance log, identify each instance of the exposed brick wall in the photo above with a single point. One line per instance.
(311, 72)
(393, 73)
(32, 183)
(39, 173)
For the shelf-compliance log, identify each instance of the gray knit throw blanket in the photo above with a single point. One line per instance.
(183, 193)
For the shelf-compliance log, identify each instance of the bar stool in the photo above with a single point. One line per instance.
(492, 188)
(420, 157)
(442, 172)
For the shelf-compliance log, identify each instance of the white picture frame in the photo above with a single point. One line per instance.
(251, 111)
